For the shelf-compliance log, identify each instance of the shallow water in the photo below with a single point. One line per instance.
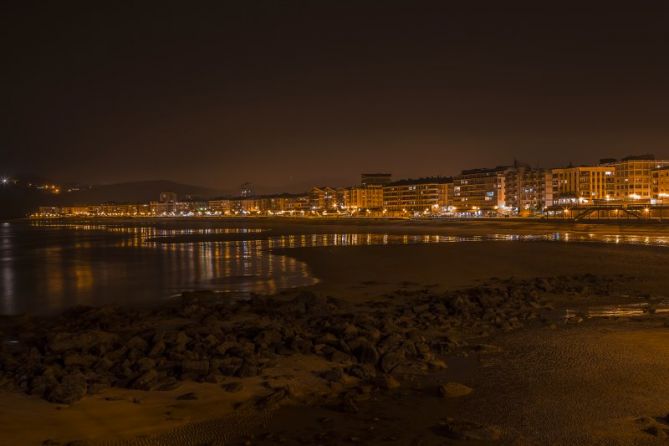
(47, 267)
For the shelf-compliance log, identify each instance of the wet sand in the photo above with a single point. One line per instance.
(584, 383)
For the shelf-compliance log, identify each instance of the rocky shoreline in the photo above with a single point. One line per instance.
(369, 346)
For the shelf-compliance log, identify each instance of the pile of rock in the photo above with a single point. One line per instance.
(201, 338)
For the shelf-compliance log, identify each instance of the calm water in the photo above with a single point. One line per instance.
(47, 267)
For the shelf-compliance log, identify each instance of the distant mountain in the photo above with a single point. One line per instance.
(135, 192)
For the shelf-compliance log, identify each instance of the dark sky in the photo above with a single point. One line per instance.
(285, 94)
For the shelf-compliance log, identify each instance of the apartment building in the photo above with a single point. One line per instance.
(423, 195)
(325, 198)
(364, 197)
(583, 184)
(634, 177)
(480, 190)
(527, 190)
(661, 185)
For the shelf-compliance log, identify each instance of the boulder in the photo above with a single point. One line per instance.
(72, 388)
(146, 381)
(454, 390)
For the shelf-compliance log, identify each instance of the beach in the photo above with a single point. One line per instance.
(515, 326)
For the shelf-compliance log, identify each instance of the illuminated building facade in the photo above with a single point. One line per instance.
(661, 185)
(583, 184)
(480, 190)
(527, 190)
(634, 177)
(417, 196)
(221, 206)
(325, 198)
(364, 197)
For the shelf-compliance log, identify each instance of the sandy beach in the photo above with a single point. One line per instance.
(547, 372)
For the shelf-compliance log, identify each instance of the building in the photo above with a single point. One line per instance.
(246, 190)
(368, 197)
(480, 190)
(661, 185)
(583, 184)
(377, 179)
(220, 206)
(168, 197)
(325, 198)
(634, 177)
(424, 195)
(527, 190)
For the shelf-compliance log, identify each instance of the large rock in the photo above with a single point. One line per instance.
(72, 388)
(454, 390)
(146, 381)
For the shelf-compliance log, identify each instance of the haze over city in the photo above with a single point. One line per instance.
(291, 94)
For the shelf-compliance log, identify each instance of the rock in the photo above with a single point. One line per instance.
(181, 341)
(362, 371)
(366, 353)
(454, 390)
(229, 366)
(167, 384)
(268, 337)
(273, 399)
(145, 364)
(437, 364)
(391, 360)
(199, 368)
(72, 388)
(190, 396)
(333, 375)
(656, 431)
(339, 356)
(158, 348)
(328, 339)
(146, 381)
(79, 360)
(233, 387)
(137, 343)
(41, 384)
(388, 382)
(62, 342)
(465, 430)
(301, 345)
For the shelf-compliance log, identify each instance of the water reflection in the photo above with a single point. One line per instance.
(46, 267)
(620, 310)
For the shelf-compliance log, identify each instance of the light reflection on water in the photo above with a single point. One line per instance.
(621, 310)
(47, 267)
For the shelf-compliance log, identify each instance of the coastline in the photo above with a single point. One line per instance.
(358, 276)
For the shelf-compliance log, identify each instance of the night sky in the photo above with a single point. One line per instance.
(287, 94)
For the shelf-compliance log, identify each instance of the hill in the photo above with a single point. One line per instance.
(134, 192)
